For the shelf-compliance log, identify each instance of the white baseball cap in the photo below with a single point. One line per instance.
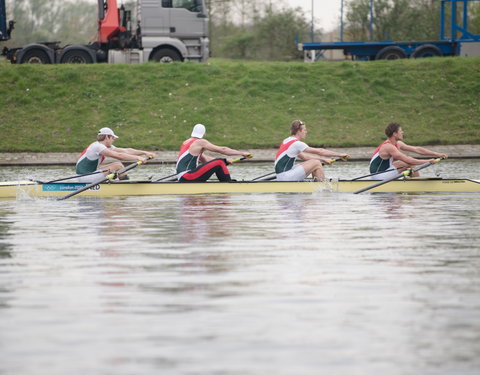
(107, 131)
(198, 131)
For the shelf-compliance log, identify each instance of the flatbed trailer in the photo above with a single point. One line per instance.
(467, 44)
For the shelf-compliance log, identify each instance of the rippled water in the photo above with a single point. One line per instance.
(241, 284)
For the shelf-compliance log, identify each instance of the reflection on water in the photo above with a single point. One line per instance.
(241, 284)
(195, 215)
(4, 225)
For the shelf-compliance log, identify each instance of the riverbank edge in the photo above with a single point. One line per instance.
(259, 155)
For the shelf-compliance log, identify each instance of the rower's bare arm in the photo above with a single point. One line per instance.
(397, 155)
(324, 152)
(318, 151)
(149, 154)
(122, 155)
(421, 150)
(303, 156)
(222, 149)
(134, 151)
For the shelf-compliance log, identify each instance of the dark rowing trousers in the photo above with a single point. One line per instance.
(203, 172)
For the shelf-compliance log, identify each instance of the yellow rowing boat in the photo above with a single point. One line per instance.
(14, 189)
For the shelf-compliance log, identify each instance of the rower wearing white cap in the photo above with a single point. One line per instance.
(194, 166)
(91, 158)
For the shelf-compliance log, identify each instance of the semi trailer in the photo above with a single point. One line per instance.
(163, 31)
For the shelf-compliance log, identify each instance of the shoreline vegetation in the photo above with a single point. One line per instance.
(244, 104)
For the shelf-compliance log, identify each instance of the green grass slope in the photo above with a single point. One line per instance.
(50, 108)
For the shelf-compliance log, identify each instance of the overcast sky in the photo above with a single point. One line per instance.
(326, 12)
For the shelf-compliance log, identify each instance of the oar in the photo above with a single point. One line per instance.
(372, 174)
(265, 175)
(77, 176)
(262, 178)
(108, 177)
(169, 178)
(166, 177)
(405, 173)
(271, 178)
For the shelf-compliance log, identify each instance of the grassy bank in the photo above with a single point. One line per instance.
(243, 104)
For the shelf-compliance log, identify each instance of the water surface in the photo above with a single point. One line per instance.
(241, 284)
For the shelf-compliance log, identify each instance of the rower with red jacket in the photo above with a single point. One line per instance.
(194, 166)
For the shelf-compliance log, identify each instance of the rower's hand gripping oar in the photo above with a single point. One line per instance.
(108, 177)
(405, 173)
(331, 161)
(249, 156)
(170, 179)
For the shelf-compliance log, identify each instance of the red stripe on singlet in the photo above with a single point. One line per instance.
(84, 151)
(86, 148)
(381, 144)
(285, 146)
(186, 145)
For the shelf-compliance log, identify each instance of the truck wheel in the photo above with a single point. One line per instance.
(165, 55)
(35, 56)
(390, 53)
(426, 50)
(76, 57)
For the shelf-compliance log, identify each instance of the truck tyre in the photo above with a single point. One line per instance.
(35, 56)
(166, 55)
(426, 50)
(76, 57)
(390, 53)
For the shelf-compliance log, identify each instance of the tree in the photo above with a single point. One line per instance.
(275, 34)
(357, 20)
(474, 12)
(398, 20)
(260, 31)
(52, 20)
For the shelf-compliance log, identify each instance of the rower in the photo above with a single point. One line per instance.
(91, 158)
(292, 148)
(194, 166)
(388, 156)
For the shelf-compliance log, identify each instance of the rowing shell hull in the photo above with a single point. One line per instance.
(16, 189)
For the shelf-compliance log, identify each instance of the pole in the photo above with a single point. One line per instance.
(453, 21)
(371, 20)
(442, 20)
(341, 21)
(311, 32)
